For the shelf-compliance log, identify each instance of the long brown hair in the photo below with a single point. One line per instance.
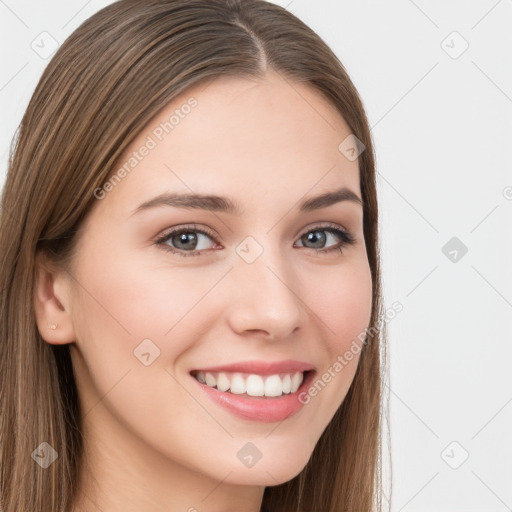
(107, 80)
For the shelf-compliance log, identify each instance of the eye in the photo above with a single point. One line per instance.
(318, 238)
(186, 240)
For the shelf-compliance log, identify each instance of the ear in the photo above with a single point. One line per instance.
(52, 302)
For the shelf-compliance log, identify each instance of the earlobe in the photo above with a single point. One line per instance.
(51, 303)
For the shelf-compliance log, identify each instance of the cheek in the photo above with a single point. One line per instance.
(134, 324)
(344, 309)
(130, 300)
(131, 327)
(345, 306)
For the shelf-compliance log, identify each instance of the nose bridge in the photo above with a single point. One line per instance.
(266, 298)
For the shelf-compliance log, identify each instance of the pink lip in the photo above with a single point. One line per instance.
(259, 408)
(261, 367)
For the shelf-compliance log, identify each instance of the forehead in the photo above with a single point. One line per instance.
(239, 136)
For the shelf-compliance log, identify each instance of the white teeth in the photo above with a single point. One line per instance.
(296, 381)
(237, 385)
(274, 386)
(223, 382)
(287, 384)
(253, 385)
(210, 380)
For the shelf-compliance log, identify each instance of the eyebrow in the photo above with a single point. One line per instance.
(224, 204)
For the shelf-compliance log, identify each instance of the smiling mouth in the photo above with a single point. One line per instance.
(252, 384)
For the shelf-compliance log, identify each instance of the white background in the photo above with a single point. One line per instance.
(441, 123)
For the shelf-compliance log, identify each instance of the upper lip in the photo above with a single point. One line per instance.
(260, 367)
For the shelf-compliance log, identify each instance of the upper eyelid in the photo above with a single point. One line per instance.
(211, 233)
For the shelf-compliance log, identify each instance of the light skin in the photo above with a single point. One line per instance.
(153, 440)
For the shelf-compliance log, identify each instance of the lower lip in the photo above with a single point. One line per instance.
(259, 408)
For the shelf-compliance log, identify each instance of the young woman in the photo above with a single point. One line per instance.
(191, 298)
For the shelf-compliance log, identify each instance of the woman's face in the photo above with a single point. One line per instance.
(269, 283)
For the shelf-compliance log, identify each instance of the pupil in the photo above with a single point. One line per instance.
(320, 239)
(184, 238)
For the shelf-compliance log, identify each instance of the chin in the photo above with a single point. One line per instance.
(274, 471)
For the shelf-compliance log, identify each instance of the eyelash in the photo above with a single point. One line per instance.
(346, 238)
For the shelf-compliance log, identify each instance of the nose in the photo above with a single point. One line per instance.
(265, 298)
